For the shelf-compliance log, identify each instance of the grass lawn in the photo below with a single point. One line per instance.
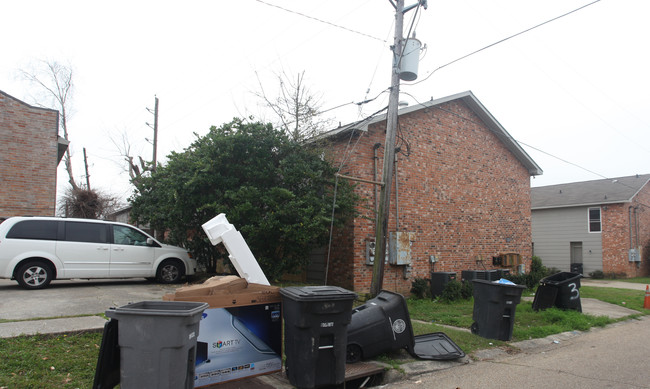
(632, 299)
(637, 280)
(44, 362)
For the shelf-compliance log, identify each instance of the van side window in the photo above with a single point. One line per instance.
(86, 232)
(34, 229)
(128, 236)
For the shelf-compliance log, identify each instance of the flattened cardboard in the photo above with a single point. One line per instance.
(223, 292)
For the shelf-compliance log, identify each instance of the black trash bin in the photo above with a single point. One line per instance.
(494, 309)
(567, 286)
(315, 334)
(439, 280)
(381, 324)
(545, 296)
(576, 268)
(157, 345)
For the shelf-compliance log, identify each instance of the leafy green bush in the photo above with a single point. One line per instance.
(597, 275)
(452, 291)
(456, 290)
(420, 288)
(467, 290)
(615, 276)
(532, 278)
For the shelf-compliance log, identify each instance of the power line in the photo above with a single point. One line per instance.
(320, 20)
(504, 39)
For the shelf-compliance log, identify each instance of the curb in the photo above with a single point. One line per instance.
(58, 326)
(413, 369)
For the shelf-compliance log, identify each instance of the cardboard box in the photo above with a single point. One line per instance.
(240, 335)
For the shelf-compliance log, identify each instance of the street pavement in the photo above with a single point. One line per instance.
(612, 357)
(57, 309)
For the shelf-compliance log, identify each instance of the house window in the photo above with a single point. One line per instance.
(594, 220)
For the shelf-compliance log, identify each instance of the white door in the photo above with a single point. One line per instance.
(130, 255)
(85, 252)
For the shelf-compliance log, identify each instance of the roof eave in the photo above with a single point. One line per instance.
(475, 105)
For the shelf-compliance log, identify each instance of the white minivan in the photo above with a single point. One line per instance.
(36, 250)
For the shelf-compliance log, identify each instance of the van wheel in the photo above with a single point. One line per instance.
(170, 272)
(34, 275)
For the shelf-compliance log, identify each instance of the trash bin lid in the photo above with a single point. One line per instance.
(436, 346)
(317, 293)
(499, 285)
(159, 308)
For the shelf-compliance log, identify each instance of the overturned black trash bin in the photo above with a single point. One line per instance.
(381, 324)
(157, 345)
(494, 309)
(561, 290)
(439, 280)
(316, 321)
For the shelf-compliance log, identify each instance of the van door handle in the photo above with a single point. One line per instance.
(102, 248)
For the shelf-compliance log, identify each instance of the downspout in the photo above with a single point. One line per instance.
(374, 172)
(629, 218)
(636, 227)
(636, 230)
(397, 150)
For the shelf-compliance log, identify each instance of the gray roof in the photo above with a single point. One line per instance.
(475, 105)
(596, 192)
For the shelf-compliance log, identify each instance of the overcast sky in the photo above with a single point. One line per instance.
(573, 90)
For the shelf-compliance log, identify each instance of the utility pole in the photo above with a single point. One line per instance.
(155, 135)
(87, 175)
(381, 227)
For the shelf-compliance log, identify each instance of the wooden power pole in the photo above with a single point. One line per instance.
(155, 136)
(381, 227)
(87, 174)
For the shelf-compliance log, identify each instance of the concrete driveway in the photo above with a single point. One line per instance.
(75, 297)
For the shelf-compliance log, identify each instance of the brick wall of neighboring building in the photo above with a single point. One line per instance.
(619, 224)
(29, 141)
(459, 189)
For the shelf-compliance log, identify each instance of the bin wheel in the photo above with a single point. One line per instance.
(474, 328)
(353, 353)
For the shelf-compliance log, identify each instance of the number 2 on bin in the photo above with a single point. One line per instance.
(575, 293)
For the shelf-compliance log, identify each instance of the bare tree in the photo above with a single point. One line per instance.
(135, 169)
(297, 109)
(87, 204)
(56, 80)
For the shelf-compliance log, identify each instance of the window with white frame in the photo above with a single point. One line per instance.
(594, 220)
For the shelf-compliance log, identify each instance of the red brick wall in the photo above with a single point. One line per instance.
(616, 235)
(460, 190)
(28, 137)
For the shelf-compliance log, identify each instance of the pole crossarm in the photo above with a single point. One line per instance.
(359, 179)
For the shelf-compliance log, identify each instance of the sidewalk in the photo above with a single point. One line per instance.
(612, 284)
(52, 326)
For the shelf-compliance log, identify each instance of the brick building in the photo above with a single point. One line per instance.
(460, 198)
(594, 225)
(31, 152)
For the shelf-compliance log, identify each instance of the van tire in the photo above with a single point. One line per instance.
(34, 275)
(170, 271)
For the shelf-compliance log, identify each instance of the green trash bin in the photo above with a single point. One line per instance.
(157, 343)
